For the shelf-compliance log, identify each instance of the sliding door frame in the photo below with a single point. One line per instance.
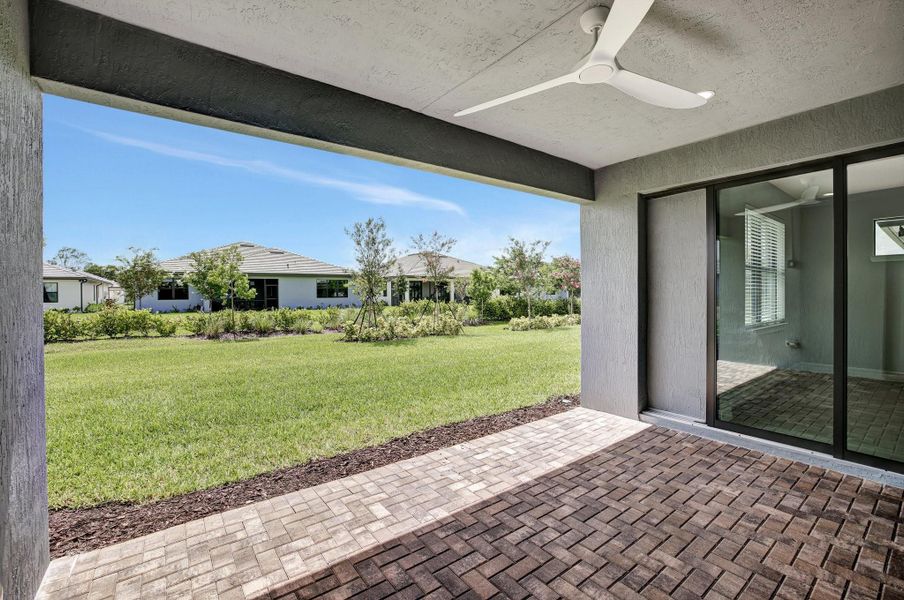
(838, 164)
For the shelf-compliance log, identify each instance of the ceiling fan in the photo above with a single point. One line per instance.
(611, 29)
(807, 198)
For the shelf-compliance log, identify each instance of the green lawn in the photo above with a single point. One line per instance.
(140, 419)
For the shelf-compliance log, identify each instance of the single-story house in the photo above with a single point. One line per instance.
(414, 269)
(74, 290)
(281, 279)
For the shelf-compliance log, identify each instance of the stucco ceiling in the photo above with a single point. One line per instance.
(764, 58)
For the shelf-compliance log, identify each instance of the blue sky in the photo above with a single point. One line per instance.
(114, 179)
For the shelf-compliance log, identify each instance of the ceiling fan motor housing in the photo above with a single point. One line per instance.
(593, 19)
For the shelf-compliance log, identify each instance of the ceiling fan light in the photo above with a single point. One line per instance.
(706, 95)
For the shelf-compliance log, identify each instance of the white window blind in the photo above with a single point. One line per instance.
(764, 273)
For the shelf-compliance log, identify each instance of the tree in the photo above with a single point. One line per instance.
(565, 275)
(400, 282)
(522, 263)
(70, 258)
(139, 274)
(217, 276)
(432, 250)
(481, 288)
(105, 271)
(375, 257)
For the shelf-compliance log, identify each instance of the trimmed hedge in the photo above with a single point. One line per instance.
(401, 327)
(548, 322)
(110, 322)
(505, 308)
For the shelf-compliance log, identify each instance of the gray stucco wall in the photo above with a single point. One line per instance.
(676, 267)
(609, 227)
(23, 474)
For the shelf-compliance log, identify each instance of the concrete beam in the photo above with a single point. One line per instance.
(23, 470)
(88, 56)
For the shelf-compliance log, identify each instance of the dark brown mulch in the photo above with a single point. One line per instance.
(74, 530)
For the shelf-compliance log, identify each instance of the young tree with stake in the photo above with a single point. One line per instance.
(432, 250)
(481, 288)
(375, 257)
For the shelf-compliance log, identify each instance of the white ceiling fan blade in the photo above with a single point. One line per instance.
(654, 92)
(774, 207)
(623, 19)
(570, 78)
(809, 194)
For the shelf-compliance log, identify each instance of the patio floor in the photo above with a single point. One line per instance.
(581, 504)
(799, 403)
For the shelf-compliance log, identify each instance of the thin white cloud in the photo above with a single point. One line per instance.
(373, 193)
(484, 244)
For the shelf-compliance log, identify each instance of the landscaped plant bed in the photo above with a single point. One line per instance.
(76, 530)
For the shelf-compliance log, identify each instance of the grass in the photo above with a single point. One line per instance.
(142, 419)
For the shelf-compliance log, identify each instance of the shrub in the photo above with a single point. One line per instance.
(332, 317)
(141, 321)
(543, 322)
(110, 322)
(400, 327)
(285, 319)
(61, 327)
(196, 323)
(165, 327)
(93, 308)
(210, 325)
(216, 325)
(505, 308)
(261, 323)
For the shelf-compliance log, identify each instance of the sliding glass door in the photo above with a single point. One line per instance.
(875, 308)
(774, 321)
(806, 306)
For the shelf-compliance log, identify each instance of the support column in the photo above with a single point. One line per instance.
(451, 290)
(23, 467)
(389, 292)
(408, 292)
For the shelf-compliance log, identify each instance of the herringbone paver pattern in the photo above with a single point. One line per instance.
(243, 553)
(660, 515)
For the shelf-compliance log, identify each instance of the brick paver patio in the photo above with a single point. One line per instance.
(578, 505)
(799, 403)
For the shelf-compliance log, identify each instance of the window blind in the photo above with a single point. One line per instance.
(764, 272)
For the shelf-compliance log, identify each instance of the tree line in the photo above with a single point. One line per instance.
(521, 269)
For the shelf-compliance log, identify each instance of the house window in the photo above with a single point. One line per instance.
(764, 269)
(415, 290)
(332, 288)
(266, 295)
(888, 237)
(172, 290)
(51, 292)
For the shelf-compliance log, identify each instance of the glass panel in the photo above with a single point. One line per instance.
(875, 251)
(774, 281)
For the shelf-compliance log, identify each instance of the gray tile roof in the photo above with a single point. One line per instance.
(58, 272)
(413, 266)
(261, 260)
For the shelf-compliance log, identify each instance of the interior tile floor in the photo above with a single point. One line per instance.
(578, 505)
(799, 403)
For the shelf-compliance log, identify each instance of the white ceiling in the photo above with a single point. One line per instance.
(764, 58)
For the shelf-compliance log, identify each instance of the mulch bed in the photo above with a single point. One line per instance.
(75, 530)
